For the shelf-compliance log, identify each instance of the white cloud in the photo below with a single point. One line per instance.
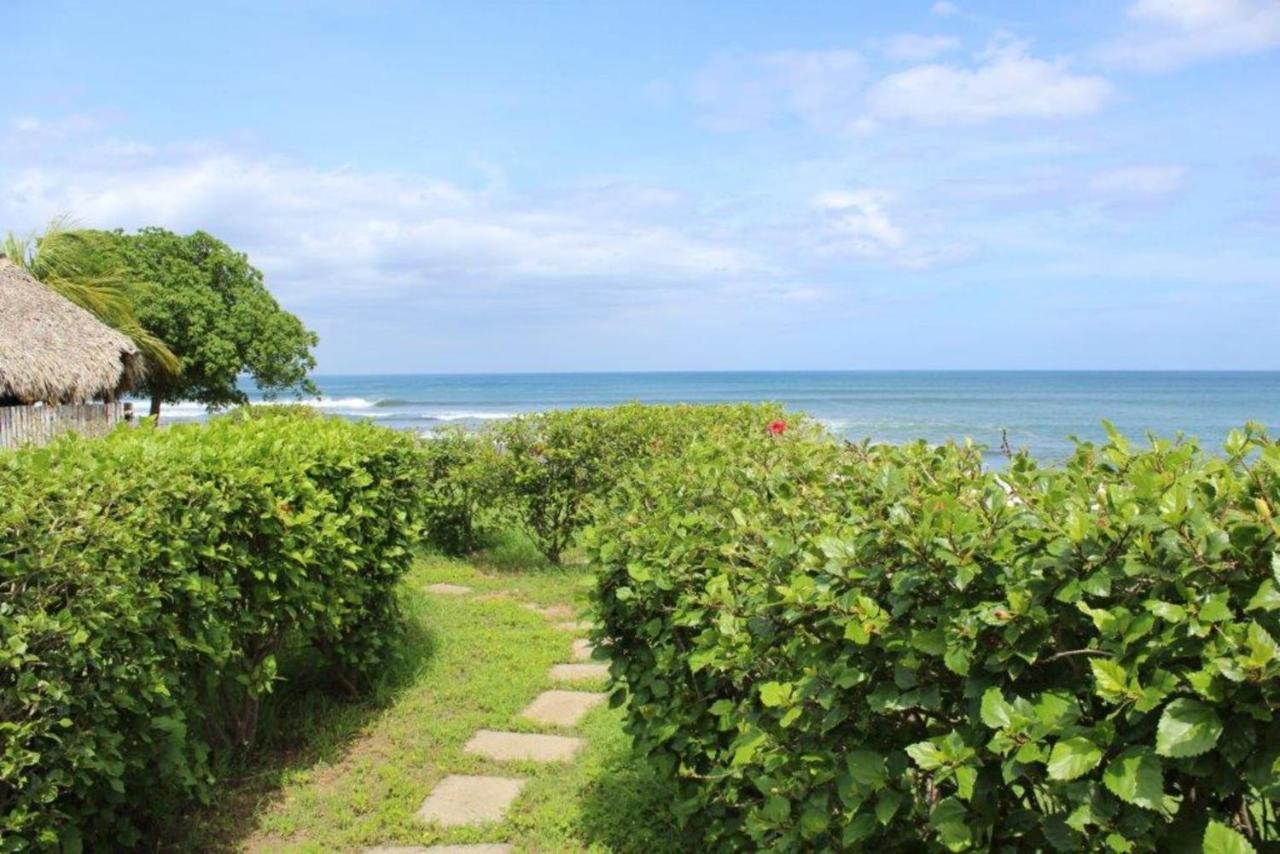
(1061, 189)
(944, 9)
(1173, 33)
(859, 219)
(34, 128)
(860, 223)
(325, 231)
(820, 88)
(913, 47)
(1007, 82)
(1138, 181)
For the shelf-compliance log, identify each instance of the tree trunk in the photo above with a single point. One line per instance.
(155, 406)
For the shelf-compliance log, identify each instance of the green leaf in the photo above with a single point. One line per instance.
(1187, 728)
(927, 755)
(1073, 757)
(1263, 648)
(1266, 599)
(1110, 679)
(949, 818)
(814, 820)
(887, 805)
(1168, 611)
(1220, 839)
(866, 767)
(1136, 777)
(775, 693)
(746, 746)
(860, 828)
(700, 658)
(776, 809)
(995, 710)
(721, 707)
(966, 779)
(1215, 610)
(957, 659)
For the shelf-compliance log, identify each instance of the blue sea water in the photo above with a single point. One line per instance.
(1039, 409)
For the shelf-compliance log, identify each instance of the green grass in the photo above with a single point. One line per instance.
(341, 775)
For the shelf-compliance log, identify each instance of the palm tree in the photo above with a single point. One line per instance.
(68, 263)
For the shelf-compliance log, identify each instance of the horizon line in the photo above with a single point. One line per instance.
(690, 371)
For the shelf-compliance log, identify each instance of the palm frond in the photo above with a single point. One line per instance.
(159, 357)
(71, 265)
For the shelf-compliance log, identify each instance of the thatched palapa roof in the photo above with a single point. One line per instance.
(52, 350)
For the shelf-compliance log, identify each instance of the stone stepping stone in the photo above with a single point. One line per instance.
(561, 708)
(464, 799)
(551, 612)
(579, 672)
(582, 649)
(448, 589)
(507, 746)
(481, 848)
(578, 626)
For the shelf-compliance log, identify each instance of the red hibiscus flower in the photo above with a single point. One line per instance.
(777, 428)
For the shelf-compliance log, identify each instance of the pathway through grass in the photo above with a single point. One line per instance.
(355, 775)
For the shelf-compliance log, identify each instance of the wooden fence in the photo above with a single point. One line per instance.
(36, 425)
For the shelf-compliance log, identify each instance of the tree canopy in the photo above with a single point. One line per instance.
(210, 305)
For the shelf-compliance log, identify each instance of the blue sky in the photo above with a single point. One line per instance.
(631, 186)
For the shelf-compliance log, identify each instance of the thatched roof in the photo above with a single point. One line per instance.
(52, 350)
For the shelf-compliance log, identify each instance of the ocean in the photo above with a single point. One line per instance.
(1039, 409)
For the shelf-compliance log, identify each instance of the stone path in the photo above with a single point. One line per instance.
(448, 589)
(506, 746)
(481, 848)
(462, 799)
(579, 672)
(561, 708)
(466, 799)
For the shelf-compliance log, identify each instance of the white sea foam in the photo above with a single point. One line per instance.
(193, 409)
(358, 407)
(336, 403)
(183, 409)
(468, 416)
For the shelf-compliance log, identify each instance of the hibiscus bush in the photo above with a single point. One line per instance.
(551, 467)
(149, 580)
(842, 647)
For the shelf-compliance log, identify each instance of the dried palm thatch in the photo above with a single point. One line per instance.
(53, 351)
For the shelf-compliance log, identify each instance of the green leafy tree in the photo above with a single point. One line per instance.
(211, 306)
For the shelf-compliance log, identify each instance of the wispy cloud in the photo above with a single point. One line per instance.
(944, 9)
(1006, 82)
(832, 91)
(360, 233)
(741, 92)
(1169, 34)
(1118, 189)
(1143, 182)
(861, 223)
(914, 47)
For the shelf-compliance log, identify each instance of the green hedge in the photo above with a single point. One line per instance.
(842, 647)
(460, 489)
(147, 582)
(551, 466)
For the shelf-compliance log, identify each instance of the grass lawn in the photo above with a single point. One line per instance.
(343, 775)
